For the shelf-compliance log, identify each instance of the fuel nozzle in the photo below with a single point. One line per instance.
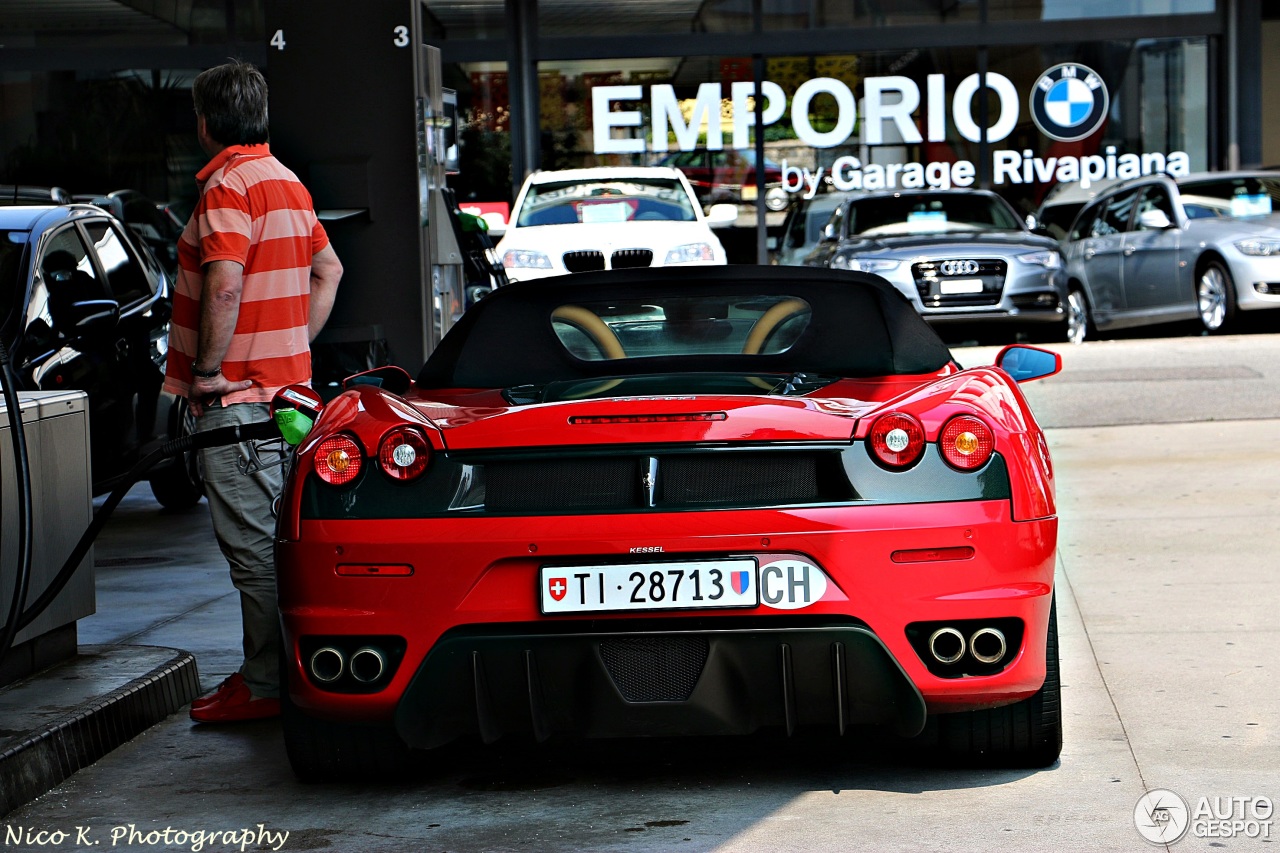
(295, 409)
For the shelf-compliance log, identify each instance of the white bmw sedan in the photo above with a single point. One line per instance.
(611, 217)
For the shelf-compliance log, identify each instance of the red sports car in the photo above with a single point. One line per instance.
(674, 502)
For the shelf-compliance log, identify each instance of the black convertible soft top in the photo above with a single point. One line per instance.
(860, 326)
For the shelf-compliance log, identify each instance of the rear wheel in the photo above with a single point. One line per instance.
(178, 483)
(1215, 295)
(1025, 734)
(1079, 323)
(327, 751)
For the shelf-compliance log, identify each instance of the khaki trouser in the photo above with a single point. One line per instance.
(240, 506)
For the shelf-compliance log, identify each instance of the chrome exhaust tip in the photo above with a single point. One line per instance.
(987, 645)
(327, 664)
(367, 664)
(946, 645)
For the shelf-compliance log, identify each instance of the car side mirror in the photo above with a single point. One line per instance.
(829, 232)
(88, 318)
(722, 214)
(1026, 363)
(1154, 220)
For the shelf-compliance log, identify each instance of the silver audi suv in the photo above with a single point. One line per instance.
(958, 255)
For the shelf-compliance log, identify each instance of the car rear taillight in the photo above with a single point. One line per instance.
(404, 453)
(897, 440)
(338, 460)
(966, 442)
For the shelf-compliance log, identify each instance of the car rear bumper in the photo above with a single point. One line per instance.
(494, 680)
(471, 597)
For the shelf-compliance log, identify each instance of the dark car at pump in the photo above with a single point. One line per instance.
(673, 502)
(959, 255)
(85, 306)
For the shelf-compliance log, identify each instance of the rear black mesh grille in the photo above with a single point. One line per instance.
(720, 480)
(563, 485)
(775, 478)
(655, 669)
(631, 258)
(583, 261)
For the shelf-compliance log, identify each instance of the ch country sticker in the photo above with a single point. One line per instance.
(792, 584)
(557, 587)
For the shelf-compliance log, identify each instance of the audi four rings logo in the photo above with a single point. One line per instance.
(1069, 102)
(958, 268)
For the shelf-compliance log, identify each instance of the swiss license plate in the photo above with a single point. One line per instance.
(649, 586)
(960, 285)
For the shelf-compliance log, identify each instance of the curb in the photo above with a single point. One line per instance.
(45, 756)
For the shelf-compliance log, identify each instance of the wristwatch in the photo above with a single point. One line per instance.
(204, 374)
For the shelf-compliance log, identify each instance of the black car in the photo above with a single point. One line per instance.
(85, 306)
(147, 219)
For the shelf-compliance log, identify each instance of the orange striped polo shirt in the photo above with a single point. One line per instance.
(253, 211)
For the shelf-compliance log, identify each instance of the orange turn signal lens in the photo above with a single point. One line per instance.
(338, 460)
(966, 442)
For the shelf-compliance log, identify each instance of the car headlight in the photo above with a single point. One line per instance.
(1049, 259)
(844, 262)
(690, 253)
(1258, 247)
(525, 259)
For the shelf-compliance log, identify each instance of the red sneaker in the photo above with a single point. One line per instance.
(228, 684)
(236, 705)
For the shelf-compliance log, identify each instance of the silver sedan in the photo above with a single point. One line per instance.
(1155, 250)
(958, 255)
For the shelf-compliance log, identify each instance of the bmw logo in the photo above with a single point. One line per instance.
(1069, 102)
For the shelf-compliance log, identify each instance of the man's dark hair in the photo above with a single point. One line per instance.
(233, 100)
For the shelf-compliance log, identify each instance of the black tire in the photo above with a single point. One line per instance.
(1079, 325)
(178, 483)
(1025, 734)
(1215, 295)
(326, 751)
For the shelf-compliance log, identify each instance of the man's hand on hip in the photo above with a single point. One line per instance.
(205, 391)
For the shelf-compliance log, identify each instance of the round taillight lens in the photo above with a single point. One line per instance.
(404, 453)
(897, 440)
(338, 460)
(966, 442)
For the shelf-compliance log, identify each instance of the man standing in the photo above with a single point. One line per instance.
(256, 282)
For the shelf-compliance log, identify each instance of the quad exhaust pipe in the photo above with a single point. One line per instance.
(987, 646)
(947, 645)
(366, 665)
(327, 664)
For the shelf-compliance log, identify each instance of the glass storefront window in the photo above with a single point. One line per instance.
(644, 17)
(830, 14)
(483, 133)
(1073, 113)
(95, 133)
(465, 19)
(88, 25)
(1058, 10)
